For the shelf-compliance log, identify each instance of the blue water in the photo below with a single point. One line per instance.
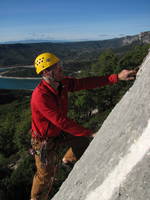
(2, 69)
(12, 83)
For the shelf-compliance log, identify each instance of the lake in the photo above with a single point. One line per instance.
(17, 83)
(12, 83)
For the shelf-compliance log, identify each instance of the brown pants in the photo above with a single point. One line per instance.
(43, 178)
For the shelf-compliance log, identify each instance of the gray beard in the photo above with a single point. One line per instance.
(52, 81)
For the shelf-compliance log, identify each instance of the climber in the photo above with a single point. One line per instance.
(52, 130)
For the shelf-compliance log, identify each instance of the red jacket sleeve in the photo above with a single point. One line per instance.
(50, 111)
(90, 82)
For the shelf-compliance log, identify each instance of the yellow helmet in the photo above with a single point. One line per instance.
(44, 61)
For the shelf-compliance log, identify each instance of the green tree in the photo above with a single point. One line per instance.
(133, 57)
(106, 64)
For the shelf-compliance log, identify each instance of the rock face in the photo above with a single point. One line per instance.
(143, 37)
(116, 165)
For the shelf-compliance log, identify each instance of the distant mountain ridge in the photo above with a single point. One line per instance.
(143, 37)
(31, 41)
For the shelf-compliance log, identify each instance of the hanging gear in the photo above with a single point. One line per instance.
(45, 60)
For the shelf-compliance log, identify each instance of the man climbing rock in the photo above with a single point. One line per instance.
(52, 130)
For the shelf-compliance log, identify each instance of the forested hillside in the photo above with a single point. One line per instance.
(24, 54)
(89, 108)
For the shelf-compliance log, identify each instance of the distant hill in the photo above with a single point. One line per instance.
(33, 41)
(24, 54)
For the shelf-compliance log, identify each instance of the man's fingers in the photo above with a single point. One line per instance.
(130, 78)
(131, 74)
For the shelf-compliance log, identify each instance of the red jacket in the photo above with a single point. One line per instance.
(49, 107)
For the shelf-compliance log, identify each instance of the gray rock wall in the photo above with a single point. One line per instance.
(116, 165)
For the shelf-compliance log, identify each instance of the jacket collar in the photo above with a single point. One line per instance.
(49, 87)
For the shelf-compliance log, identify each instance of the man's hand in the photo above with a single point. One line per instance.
(126, 75)
(92, 135)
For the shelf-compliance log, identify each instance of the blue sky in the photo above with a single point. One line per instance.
(72, 20)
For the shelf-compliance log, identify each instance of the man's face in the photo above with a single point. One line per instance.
(55, 72)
